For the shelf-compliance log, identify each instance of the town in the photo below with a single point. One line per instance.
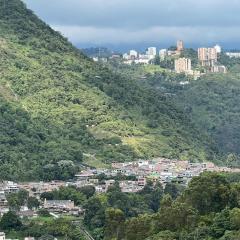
(207, 59)
(131, 176)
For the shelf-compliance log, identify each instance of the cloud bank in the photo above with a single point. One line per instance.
(152, 21)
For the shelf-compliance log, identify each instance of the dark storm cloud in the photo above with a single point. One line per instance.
(100, 21)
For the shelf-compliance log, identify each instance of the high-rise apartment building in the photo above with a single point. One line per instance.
(207, 56)
(183, 65)
(133, 54)
(152, 51)
(180, 45)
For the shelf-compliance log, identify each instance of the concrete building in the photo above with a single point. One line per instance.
(58, 205)
(233, 54)
(219, 69)
(207, 56)
(183, 65)
(133, 54)
(180, 45)
(3, 199)
(2, 236)
(125, 56)
(151, 52)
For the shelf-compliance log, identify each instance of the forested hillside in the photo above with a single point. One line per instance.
(58, 108)
(195, 213)
(211, 103)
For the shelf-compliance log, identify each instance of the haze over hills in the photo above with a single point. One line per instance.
(64, 108)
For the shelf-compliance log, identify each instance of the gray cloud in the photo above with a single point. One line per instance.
(122, 21)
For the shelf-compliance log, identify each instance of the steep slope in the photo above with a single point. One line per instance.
(83, 109)
(211, 103)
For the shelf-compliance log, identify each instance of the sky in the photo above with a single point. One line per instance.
(125, 24)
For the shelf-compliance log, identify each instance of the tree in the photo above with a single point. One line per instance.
(33, 203)
(47, 196)
(95, 213)
(43, 213)
(13, 202)
(114, 224)
(221, 223)
(157, 60)
(213, 198)
(88, 191)
(10, 221)
(22, 196)
(173, 189)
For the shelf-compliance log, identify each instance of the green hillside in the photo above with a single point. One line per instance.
(59, 108)
(211, 103)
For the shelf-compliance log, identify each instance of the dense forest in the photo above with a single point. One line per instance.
(210, 102)
(60, 109)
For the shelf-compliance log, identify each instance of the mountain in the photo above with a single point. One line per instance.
(60, 109)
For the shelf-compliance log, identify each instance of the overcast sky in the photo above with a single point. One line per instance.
(123, 23)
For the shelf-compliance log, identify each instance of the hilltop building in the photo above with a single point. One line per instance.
(151, 52)
(183, 65)
(180, 45)
(133, 54)
(207, 56)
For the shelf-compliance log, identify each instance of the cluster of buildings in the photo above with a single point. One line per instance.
(134, 57)
(35, 189)
(207, 57)
(233, 54)
(138, 173)
(148, 57)
(208, 60)
(157, 170)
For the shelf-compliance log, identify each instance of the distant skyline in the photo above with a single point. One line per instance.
(125, 24)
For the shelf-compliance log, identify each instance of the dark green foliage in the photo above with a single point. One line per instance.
(192, 54)
(33, 203)
(66, 193)
(43, 213)
(202, 211)
(16, 200)
(10, 221)
(173, 189)
(215, 197)
(88, 191)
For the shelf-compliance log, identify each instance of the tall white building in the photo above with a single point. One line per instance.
(152, 51)
(133, 54)
(2, 236)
